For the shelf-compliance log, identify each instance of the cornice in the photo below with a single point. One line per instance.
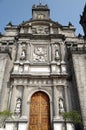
(49, 36)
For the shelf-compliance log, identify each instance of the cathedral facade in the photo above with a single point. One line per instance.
(43, 72)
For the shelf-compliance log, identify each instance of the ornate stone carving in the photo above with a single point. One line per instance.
(47, 30)
(23, 55)
(40, 54)
(34, 30)
(17, 111)
(61, 105)
(55, 30)
(23, 52)
(40, 30)
(57, 56)
(20, 68)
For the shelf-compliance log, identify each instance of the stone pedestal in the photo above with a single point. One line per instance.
(62, 126)
(22, 126)
(16, 125)
(9, 126)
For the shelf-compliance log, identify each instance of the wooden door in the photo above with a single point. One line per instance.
(39, 112)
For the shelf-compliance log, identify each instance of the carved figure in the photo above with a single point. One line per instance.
(23, 55)
(61, 106)
(41, 30)
(57, 56)
(18, 107)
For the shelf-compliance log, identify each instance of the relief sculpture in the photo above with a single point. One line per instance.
(40, 54)
(40, 30)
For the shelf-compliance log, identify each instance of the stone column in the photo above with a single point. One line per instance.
(53, 62)
(25, 107)
(63, 58)
(66, 98)
(10, 96)
(55, 100)
(18, 52)
(55, 95)
(62, 51)
(13, 99)
(51, 29)
(28, 51)
(52, 52)
(29, 29)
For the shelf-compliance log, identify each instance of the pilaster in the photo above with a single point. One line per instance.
(66, 98)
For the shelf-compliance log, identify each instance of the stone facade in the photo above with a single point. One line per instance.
(41, 55)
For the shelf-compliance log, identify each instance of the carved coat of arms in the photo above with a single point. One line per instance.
(40, 54)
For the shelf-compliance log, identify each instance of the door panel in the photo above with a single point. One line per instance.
(39, 112)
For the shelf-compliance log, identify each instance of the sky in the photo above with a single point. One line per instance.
(63, 11)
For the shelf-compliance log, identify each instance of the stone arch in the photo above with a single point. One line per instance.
(41, 90)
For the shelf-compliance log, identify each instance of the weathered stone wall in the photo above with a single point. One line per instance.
(79, 63)
(4, 79)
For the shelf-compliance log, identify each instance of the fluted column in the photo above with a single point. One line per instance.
(63, 58)
(10, 96)
(28, 51)
(63, 51)
(18, 52)
(52, 52)
(56, 107)
(55, 100)
(66, 98)
(13, 99)
(25, 107)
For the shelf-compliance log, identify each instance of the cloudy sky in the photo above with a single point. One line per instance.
(62, 11)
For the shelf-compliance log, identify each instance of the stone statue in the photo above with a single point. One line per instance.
(18, 107)
(23, 55)
(57, 56)
(61, 106)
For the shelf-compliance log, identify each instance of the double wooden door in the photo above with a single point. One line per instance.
(39, 112)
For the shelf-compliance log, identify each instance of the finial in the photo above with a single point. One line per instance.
(40, 2)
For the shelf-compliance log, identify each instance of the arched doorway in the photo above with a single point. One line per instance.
(39, 112)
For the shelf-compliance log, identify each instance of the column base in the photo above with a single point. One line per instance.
(61, 125)
(16, 125)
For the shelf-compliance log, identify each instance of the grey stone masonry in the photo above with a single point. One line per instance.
(43, 56)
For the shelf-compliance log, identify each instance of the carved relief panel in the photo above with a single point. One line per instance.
(40, 53)
(40, 29)
(55, 30)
